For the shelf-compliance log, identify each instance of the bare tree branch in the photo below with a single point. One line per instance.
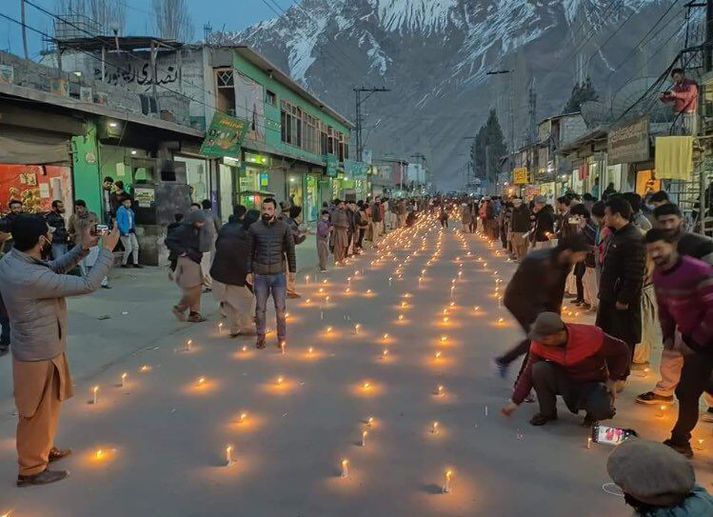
(172, 20)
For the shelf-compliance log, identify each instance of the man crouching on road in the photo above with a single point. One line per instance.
(34, 293)
(579, 362)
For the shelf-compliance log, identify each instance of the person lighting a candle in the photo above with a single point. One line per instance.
(684, 293)
(538, 286)
(578, 362)
(34, 293)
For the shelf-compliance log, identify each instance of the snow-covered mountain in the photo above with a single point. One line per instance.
(435, 55)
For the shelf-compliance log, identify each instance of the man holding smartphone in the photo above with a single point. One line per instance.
(34, 293)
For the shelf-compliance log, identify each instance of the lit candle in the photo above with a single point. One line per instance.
(95, 390)
(220, 328)
(500, 321)
(145, 368)
(345, 468)
(189, 344)
(386, 337)
(244, 348)
(201, 381)
(447, 483)
(280, 380)
(310, 351)
(589, 442)
(229, 456)
(366, 385)
(370, 421)
(445, 319)
(401, 317)
(99, 455)
(306, 279)
(434, 428)
(390, 279)
(356, 328)
(662, 410)
(437, 355)
(243, 417)
(326, 299)
(329, 330)
(123, 379)
(444, 339)
(283, 347)
(385, 353)
(476, 308)
(363, 438)
(308, 301)
(440, 390)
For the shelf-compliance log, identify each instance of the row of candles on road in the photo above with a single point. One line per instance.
(229, 451)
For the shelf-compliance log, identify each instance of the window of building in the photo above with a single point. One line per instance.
(270, 98)
(225, 90)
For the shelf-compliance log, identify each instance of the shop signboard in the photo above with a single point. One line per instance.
(520, 176)
(7, 74)
(331, 166)
(224, 136)
(629, 143)
(144, 197)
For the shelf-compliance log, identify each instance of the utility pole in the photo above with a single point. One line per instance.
(24, 28)
(532, 109)
(358, 122)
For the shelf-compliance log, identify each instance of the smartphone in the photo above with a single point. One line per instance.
(100, 229)
(610, 435)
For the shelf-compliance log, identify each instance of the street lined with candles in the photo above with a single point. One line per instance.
(387, 416)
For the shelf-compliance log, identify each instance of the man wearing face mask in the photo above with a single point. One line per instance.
(269, 242)
(684, 292)
(34, 293)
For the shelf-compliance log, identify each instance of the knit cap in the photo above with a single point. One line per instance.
(651, 472)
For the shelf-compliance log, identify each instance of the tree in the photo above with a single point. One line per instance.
(488, 147)
(581, 92)
(172, 20)
(109, 15)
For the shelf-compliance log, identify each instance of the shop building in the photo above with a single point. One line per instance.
(61, 134)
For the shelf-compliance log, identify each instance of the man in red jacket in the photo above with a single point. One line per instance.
(579, 362)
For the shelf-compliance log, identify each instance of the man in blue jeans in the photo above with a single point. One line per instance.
(270, 243)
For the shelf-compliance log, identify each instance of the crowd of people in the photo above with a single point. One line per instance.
(630, 261)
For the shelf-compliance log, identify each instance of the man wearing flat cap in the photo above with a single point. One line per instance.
(657, 481)
(34, 293)
(578, 362)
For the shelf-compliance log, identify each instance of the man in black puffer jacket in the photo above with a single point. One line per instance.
(269, 241)
(619, 312)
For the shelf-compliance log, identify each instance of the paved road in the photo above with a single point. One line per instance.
(163, 435)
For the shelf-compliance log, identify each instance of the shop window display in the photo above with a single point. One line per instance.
(36, 186)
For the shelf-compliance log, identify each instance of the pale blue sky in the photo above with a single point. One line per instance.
(234, 15)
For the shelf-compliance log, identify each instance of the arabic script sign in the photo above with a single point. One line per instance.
(224, 136)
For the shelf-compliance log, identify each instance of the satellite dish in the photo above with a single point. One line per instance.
(633, 97)
(595, 113)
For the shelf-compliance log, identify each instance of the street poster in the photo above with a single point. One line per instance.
(224, 136)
